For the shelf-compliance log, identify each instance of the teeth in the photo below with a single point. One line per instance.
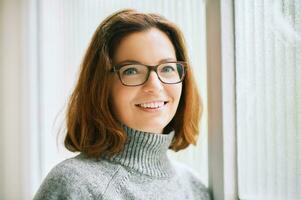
(152, 104)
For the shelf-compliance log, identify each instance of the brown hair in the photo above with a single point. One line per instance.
(91, 125)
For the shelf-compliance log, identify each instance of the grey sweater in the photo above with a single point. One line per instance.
(141, 171)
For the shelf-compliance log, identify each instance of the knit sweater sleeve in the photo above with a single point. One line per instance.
(193, 181)
(63, 182)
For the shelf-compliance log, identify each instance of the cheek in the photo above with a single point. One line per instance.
(121, 100)
(176, 92)
(117, 98)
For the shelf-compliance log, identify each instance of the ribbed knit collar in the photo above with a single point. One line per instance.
(146, 153)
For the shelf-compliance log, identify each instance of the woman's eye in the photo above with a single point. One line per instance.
(130, 71)
(168, 69)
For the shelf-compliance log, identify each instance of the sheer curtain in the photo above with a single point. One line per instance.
(65, 28)
(268, 86)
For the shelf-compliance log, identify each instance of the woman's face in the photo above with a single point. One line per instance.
(131, 105)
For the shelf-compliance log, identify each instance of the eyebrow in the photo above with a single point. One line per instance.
(137, 62)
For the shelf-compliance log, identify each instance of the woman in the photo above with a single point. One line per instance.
(135, 99)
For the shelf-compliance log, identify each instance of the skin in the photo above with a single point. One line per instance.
(150, 47)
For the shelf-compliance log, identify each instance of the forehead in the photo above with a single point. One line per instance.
(148, 47)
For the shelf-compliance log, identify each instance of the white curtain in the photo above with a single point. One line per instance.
(268, 84)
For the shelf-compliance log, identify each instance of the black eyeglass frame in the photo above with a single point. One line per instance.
(150, 68)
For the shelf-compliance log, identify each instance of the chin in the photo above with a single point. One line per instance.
(152, 128)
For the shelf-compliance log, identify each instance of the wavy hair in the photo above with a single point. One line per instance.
(91, 126)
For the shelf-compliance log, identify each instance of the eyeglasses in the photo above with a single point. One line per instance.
(137, 74)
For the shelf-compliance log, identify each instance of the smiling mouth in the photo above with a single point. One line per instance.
(152, 105)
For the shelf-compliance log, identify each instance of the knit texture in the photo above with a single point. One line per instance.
(141, 171)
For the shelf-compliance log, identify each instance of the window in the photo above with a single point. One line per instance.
(254, 113)
(268, 98)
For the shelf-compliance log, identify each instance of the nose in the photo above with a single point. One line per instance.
(153, 84)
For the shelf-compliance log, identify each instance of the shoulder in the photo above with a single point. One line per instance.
(192, 179)
(77, 178)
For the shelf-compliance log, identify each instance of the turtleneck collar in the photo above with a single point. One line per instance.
(146, 153)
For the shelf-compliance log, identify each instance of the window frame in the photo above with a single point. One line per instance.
(222, 158)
